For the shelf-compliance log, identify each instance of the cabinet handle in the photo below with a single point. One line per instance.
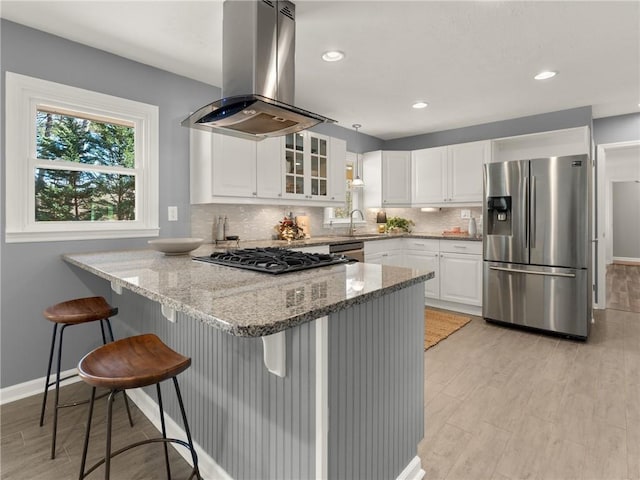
(385, 255)
(254, 193)
(460, 246)
(279, 194)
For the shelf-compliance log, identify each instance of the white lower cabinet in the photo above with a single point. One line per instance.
(457, 265)
(384, 252)
(461, 278)
(461, 275)
(427, 262)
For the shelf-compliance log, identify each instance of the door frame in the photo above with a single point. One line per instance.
(602, 209)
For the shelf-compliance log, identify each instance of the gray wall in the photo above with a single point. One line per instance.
(359, 143)
(32, 274)
(622, 128)
(576, 117)
(626, 219)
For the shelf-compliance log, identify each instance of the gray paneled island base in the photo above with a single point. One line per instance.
(315, 374)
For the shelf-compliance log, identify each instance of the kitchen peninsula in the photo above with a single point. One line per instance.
(312, 374)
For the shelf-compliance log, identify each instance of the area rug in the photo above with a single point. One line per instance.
(438, 325)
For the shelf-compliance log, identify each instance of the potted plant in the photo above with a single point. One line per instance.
(399, 225)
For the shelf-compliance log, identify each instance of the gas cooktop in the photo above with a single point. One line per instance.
(273, 260)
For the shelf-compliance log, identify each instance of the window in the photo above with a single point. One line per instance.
(80, 164)
(340, 215)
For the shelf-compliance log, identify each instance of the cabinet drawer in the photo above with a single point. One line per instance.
(382, 246)
(466, 246)
(422, 244)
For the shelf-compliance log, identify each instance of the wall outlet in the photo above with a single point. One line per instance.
(172, 214)
(465, 213)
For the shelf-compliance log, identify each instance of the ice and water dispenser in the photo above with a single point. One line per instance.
(498, 215)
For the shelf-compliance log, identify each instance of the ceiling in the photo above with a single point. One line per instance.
(473, 62)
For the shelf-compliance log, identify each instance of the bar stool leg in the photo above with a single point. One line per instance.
(164, 432)
(104, 338)
(86, 435)
(194, 456)
(57, 402)
(107, 455)
(46, 380)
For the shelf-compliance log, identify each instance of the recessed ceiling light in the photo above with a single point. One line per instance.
(545, 75)
(420, 105)
(333, 56)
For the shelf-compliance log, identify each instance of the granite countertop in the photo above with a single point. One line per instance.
(241, 302)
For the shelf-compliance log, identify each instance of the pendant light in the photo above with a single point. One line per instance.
(357, 182)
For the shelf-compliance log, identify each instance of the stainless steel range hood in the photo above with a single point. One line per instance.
(258, 75)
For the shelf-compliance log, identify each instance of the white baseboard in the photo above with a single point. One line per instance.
(626, 260)
(455, 307)
(209, 469)
(33, 387)
(413, 471)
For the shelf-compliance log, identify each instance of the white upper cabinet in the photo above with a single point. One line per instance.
(387, 178)
(450, 174)
(269, 168)
(396, 178)
(233, 166)
(337, 170)
(307, 168)
(430, 176)
(465, 170)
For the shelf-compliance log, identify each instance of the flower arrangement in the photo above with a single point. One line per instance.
(399, 225)
(288, 229)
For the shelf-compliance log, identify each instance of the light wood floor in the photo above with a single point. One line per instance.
(499, 404)
(507, 404)
(26, 447)
(623, 287)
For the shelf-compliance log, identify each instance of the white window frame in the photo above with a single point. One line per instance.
(329, 219)
(23, 96)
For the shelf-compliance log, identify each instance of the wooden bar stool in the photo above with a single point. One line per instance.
(73, 312)
(134, 362)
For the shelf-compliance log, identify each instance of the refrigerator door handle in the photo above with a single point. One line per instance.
(532, 222)
(530, 272)
(525, 202)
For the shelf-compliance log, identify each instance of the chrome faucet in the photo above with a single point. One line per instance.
(351, 228)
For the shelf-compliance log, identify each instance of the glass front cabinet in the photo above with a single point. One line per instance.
(307, 166)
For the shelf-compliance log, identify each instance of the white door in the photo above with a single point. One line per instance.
(461, 278)
(465, 171)
(396, 178)
(233, 166)
(426, 262)
(429, 175)
(269, 168)
(337, 169)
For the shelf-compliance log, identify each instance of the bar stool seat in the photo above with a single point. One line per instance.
(63, 315)
(80, 310)
(134, 362)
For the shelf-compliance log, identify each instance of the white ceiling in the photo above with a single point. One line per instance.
(473, 62)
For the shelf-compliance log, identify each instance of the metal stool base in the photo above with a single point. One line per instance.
(56, 382)
(195, 472)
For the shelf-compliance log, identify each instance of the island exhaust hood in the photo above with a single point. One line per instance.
(258, 74)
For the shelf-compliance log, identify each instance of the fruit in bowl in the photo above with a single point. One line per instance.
(175, 246)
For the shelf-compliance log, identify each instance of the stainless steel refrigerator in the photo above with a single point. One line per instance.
(537, 244)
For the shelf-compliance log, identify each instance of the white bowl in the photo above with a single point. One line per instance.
(175, 246)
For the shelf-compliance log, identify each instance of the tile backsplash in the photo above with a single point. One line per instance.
(257, 222)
